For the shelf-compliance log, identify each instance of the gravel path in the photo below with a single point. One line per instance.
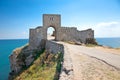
(89, 63)
(108, 57)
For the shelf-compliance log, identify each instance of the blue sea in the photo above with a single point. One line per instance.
(111, 42)
(7, 46)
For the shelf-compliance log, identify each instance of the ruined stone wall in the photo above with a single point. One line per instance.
(53, 47)
(36, 35)
(61, 33)
(67, 33)
(85, 34)
(72, 34)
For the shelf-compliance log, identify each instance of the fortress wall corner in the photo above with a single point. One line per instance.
(36, 35)
(85, 34)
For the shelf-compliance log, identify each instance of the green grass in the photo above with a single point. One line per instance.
(47, 66)
(91, 45)
(118, 48)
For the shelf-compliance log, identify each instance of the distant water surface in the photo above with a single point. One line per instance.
(6, 48)
(111, 42)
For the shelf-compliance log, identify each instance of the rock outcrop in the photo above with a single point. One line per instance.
(22, 57)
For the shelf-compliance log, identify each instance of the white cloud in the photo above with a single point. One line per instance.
(104, 29)
(24, 33)
(105, 24)
(107, 29)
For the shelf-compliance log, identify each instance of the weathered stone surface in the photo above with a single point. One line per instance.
(53, 47)
(61, 33)
(20, 58)
(15, 68)
(29, 60)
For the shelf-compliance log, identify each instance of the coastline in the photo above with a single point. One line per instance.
(111, 42)
(109, 49)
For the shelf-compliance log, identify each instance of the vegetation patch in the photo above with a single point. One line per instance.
(47, 66)
(118, 48)
(91, 45)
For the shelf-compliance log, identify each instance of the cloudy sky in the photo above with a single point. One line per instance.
(17, 16)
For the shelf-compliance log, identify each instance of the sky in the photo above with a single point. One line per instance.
(18, 16)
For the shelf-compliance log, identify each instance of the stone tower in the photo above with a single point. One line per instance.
(52, 20)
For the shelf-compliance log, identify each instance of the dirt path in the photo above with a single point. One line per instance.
(92, 64)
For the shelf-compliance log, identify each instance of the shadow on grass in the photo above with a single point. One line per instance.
(59, 66)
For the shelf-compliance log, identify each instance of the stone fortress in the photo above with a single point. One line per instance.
(24, 56)
(61, 33)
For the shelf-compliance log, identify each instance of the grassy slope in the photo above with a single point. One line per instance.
(45, 67)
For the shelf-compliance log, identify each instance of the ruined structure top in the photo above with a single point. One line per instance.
(61, 33)
(53, 20)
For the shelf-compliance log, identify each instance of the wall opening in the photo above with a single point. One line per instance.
(51, 33)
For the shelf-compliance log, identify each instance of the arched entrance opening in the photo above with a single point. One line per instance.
(51, 33)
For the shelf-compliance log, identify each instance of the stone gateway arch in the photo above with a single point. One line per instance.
(37, 35)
